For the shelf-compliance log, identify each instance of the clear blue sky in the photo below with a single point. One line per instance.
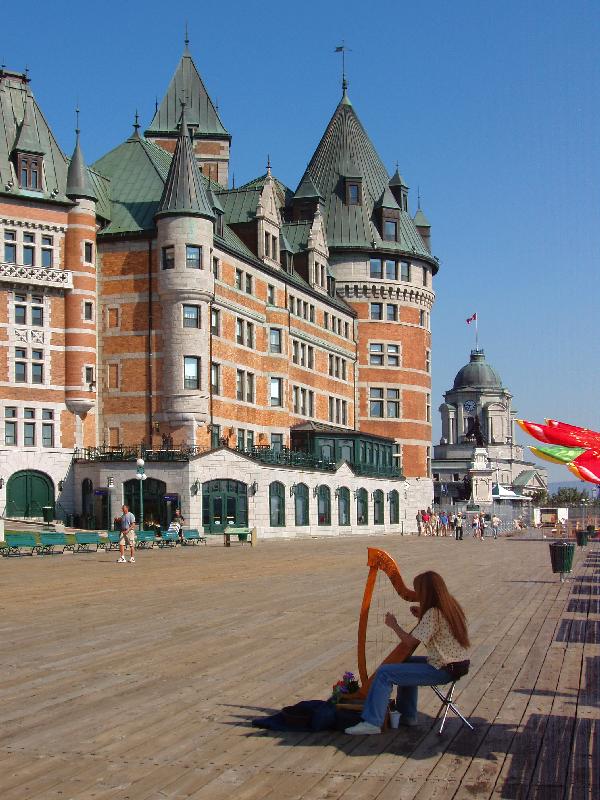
(491, 108)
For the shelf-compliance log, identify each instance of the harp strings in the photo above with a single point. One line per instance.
(381, 640)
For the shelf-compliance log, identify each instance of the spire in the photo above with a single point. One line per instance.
(27, 140)
(186, 41)
(78, 180)
(136, 126)
(184, 191)
(269, 166)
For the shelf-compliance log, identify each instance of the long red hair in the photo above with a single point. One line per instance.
(432, 592)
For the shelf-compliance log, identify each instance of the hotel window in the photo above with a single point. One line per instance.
(277, 504)
(376, 402)
(193, 256)
(295, 352)
(191, 316)
(215, 322)
(428, 408)
(37, 367)
(346, 330)
(215, 435)
(89, 375)
(248, 284)
(352, 193)
(191, 372)
(47, 251)
(393, 403)
(241, 439)
(390, 230)
(215, 378)
(37, 313)
(29, 434)
(271, 294)
(239, 331)
(249, 387)
(391, 270)
(311, 313)
(310, 356)
(20, 365)
(422, 319)
(427, 360)
(239, 277)
(20, 310)
(393, 355)
(168, 257)
(376, 354)
(28, 170)
(275, 392)
(245, 386)
(10, 426)
(240, 384)
(267, 245)
(275, 340)
(292, 304)
(47, 435)
(10, 247)
(215, 267)
(332, 409)
(250, 334)
(311, 403)
(277, 441)
(391, 312)
(88, 252)
(425, 273)
(404, 271)
(249, 439)
(325, 320)
(344, 412)
(376, 268)
(376, 311)
(88, 311)
(28, 249)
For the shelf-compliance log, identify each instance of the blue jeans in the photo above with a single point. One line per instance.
(408, 676)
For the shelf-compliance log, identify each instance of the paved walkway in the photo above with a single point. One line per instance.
(138, 681)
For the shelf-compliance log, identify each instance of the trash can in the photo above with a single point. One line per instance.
(582, 538)
(48, 514)
(561, 556)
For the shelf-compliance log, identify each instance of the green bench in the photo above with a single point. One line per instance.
(112, 540)
(145, 539)
(193, 537)
(241, 533)
(17, 542)
(48, 541)
(168, 539)
(85, 540)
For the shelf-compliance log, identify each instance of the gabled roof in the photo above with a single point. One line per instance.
(346, 148)
(284, 193)
(137, 170)
(186, 84)
(185, 191)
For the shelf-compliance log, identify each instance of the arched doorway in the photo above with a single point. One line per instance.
(224, 505)
(27, 492)
(155, 505)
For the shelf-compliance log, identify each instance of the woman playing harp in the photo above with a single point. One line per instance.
(442, 628)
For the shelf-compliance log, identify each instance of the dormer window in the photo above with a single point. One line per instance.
(29, 171)
(353, 192)
(390, 230)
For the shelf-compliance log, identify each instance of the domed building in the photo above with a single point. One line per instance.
(477, 413)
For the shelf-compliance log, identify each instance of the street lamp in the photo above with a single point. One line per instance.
(141, 476)
(110, 483)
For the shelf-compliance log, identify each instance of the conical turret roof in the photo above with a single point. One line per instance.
(421, 220)
(397, 180)
(187, 84)
(78, 179)
(185, 192)
(345, 151)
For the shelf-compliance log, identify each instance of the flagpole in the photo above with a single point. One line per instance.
(476, 333)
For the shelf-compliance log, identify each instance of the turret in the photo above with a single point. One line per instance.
(81, 303)
(399, 189)
(423, 226)
(185, 219)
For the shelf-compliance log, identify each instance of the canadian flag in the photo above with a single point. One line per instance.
(472, 319)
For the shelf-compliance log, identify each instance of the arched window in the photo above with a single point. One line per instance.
(378, 507)
(301, 504)
(277, 504)
(324, 505)
(362, 507)
(394, 507)
(343, 506)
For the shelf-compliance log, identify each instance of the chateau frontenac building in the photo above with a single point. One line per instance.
(266, 351)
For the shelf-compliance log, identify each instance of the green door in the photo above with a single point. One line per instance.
(27, 492)
(224, 505)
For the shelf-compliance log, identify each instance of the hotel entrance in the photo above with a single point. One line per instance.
(224, 505)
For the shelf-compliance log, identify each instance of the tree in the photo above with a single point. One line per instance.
(567, 496)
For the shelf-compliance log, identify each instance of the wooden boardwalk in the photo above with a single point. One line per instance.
(138, 682)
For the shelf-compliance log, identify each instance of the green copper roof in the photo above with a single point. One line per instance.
(387, 200)
(346, 148)
(477, 374)
(185, 191)
(421, 220)
(284, 193)
(137, 170)
(27, 140)
(78, 180)
(307, 188)
(240, 205)
(297, 234)
(187, 85)
(397, 180)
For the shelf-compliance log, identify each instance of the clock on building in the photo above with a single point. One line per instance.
(470, 406)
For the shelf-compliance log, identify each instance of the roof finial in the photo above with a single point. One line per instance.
(136, 121)
(77, 120)
(418, 198)
(343, 50)
(187, 38)
(268, 165)
(156, 105)
(233, 181)
(217, 105)
(27, 71)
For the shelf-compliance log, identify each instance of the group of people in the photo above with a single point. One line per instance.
(444, 523)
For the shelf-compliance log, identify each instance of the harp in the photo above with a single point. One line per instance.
(384, 576)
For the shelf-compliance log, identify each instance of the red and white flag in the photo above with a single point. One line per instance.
(472, 319)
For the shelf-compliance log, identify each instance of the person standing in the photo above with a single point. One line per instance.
(443, 523)
(127, 538)
(475, 526)
(495, 525)
(458, 527)
(179, 519)
(419, 522)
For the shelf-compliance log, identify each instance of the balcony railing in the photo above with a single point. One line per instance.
(286, 457)
(133, 452)
(36, 276)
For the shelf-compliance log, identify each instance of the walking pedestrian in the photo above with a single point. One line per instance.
(495, 525)
(475, 526)
(458, 527)
(482, 526)
(127, 537)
